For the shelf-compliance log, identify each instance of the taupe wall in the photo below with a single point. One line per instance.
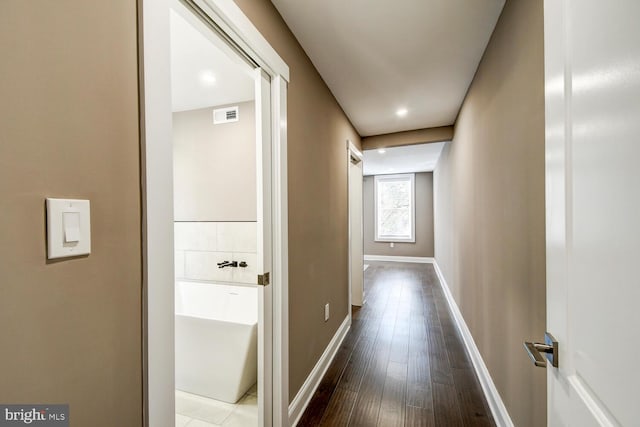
(423, 247)
(214, 166)
(410, 137)
(71, 329)
(318, 246)
(489, 209)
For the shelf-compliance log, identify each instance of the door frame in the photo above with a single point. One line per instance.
(156, 154)
(352, 152)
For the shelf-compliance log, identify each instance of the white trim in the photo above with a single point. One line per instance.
(157, 214)
(300, 402)
(498, 409)
(354, 150)
(238, 27)
(264, 178)
(395, 177)
(418, 259)
(157, 188)
(280, 257)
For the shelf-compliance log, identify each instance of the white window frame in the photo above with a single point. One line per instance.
(397, 177)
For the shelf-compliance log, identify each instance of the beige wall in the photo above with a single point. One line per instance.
(489, 206)
(423, 246)
(214, 166)
(71, 329)
(410, 137)
(318, 256)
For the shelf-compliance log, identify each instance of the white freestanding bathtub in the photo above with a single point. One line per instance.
(216, 339)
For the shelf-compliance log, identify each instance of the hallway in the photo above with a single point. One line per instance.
(403, 361)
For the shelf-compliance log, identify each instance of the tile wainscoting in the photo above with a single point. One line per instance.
(201, 245)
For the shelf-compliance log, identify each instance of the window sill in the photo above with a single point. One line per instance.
(394, 240)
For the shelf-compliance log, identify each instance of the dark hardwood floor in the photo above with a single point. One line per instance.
(403, 362)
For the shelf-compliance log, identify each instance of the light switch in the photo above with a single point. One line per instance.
(68, 228)
(71, 222)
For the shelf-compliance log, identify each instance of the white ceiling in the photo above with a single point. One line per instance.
(410, 158)
(204, 71)
(378, 56)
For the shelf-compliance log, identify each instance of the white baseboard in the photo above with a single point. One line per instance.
(300, 402)
(418, 259)
(498, 410)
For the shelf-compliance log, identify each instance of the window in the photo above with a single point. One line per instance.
(395, 208)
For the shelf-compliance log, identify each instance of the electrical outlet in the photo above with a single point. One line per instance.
(326, 312)
(391, 244)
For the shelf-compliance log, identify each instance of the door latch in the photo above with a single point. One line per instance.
(549, 348)
(263, 279)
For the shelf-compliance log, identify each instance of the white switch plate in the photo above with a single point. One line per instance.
(326, 312)
(68, 228)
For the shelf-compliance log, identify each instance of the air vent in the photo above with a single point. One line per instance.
(225, 115)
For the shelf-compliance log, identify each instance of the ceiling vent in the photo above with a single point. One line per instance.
(225, 115)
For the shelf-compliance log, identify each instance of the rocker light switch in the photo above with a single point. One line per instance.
(68, 228)
(71, 221)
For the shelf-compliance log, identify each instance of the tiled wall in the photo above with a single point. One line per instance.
(201, 245)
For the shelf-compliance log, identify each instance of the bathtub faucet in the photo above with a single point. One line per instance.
(227, 264)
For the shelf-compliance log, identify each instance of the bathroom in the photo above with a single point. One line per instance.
(216, 226)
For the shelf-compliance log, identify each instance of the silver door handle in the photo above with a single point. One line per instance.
(549, 348)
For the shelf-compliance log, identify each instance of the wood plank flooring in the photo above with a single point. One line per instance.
(403, 362)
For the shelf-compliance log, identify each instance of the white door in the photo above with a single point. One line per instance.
(264, 259)
(592, 67)
(356, 242)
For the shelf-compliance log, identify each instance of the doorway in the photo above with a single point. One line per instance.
(356, 241)
(219, 334)
(250, 238)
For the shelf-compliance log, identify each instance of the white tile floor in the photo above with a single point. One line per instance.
(198, 411)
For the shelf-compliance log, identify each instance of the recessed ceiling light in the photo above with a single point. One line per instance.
(402, 112)
(207, 77)
(381, 150)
